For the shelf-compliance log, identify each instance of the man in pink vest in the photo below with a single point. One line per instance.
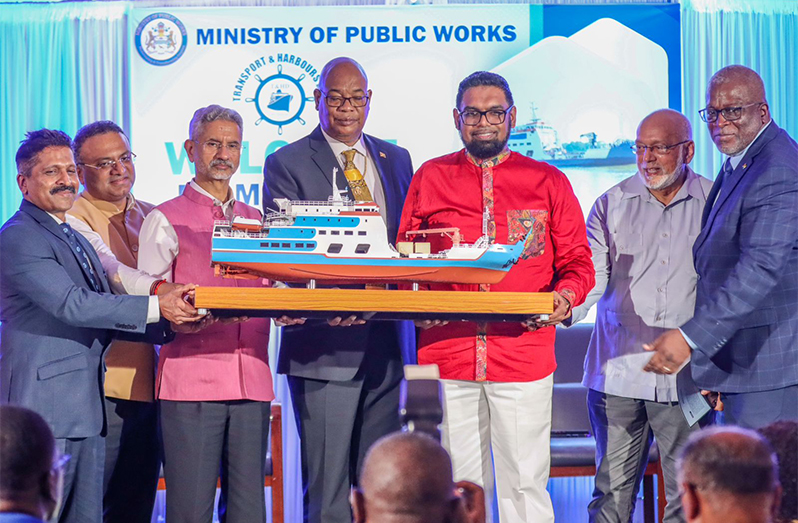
(214, 386)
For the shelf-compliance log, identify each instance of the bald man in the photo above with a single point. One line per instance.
(344, 377)
(407, 478)
(743, 337)
(729, 475)
(641, 232)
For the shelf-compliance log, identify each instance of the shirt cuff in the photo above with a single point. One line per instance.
(153, 310)
(690, 342)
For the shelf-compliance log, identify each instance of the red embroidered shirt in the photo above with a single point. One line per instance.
(528, 195)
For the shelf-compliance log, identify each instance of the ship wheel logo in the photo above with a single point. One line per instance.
(280, 99)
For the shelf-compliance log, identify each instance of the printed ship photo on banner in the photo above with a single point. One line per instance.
(582, 77)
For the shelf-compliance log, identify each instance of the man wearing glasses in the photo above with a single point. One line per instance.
(497, 377)
(743, 338)
(214, 387)
(345, 380)
(641, 233)
(106, 209)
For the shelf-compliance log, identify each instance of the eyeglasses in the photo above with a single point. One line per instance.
(339, 101)
(730, 114)
(106, 165)
(216, 146)
(658, 149)
(492, 116)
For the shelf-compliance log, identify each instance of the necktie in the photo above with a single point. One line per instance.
(356, 182)
(715, 193)
(83, 258)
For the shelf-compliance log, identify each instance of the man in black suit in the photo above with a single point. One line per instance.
(59, 317)
(344, 381)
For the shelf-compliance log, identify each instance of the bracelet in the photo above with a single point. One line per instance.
(155, 286)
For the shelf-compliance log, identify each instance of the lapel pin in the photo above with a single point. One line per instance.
(745, 166)
(382, 155)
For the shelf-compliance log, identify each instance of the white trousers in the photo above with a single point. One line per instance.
(514, 421)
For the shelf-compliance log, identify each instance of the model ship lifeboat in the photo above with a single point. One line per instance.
(340, 241)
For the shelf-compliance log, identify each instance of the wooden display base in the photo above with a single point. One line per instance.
(374, 304)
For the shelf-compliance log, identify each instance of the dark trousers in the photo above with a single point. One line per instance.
(759, 409)
(624, 429)
(132, 461)
(83, 479)
(205, 440)
(338, 421)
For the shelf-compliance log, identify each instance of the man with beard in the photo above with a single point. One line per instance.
(214, 387)
(641, 232)
(59, 317)
(497, 377)
(743, 338)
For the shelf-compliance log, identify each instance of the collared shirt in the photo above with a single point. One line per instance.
(532, 202)
(645, 281)
(159, 232)
(364, 163)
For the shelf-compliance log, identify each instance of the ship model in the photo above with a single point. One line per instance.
(342, 242)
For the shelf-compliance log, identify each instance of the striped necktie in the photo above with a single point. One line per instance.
(83, 258)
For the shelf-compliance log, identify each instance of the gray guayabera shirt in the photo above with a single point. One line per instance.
(645, 282)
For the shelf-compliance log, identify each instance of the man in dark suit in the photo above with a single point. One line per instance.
(344, 381)
(58, 318)
(744, 335)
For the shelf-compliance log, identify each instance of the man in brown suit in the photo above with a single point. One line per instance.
(107, 207)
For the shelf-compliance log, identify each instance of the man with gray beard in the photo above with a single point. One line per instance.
(641, 232)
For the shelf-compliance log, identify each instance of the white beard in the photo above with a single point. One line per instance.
(662, 181)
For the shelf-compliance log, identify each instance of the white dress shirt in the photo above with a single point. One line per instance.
(158, 245)
(116, 271)
(645, 282)
(365, 164)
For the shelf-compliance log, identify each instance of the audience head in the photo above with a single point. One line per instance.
(46, 171)
(783, 436)
(484, 114)
(667, 139)
(729, 475)
(342, 99)
(105, 161)
(30, 478)
(214, 143)
(736, 108)
(407, 478)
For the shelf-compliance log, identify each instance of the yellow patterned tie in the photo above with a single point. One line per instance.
(356, 182)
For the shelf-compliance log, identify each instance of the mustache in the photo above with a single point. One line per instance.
(62, 188)
(227, 163)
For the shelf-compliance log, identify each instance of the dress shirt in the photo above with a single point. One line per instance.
(364, 164)
(531, 200)
(158, 231)
(645, 281)
(153, 310)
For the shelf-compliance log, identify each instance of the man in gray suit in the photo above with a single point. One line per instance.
(345, 380)
(58, 318)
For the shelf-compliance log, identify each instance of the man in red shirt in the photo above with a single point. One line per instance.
(497, 377)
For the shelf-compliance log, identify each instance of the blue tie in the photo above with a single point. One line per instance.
(718, 185)
(83, 258)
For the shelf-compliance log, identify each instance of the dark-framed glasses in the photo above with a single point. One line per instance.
(710, 114)
(639, 148)
(492, 116)
(216, 146)
(336, 100)
(128, 159)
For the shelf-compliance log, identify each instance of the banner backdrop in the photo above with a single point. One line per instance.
(582, 77)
